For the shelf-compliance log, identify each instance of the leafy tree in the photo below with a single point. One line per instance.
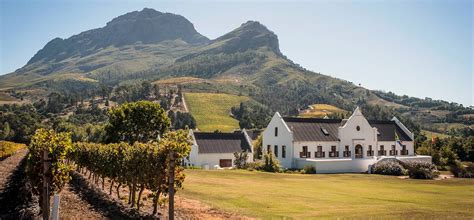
(137, 121)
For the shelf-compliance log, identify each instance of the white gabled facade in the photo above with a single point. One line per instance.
(220, 152)
(353, 145)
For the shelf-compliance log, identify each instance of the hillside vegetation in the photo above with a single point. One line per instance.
(246, 61)
(212, 110)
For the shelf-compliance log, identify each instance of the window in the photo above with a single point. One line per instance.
(393, 152)
(333, 152)
(358, 128)
(304, 154)
(268, 148)
(370, 152)
(283, 151)
(325, 132)
(276, 131)
(382, 151)
(404, 150)
(319, 152)
(276, 150)
(346, 152)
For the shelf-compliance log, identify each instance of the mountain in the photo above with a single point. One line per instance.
(150, 45)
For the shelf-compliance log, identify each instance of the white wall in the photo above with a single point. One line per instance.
(213, 159)
(285, 137)
(337, 165)
(349, 135)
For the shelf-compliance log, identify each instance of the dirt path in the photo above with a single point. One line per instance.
(74, 207)
(16, 199)
(184, 208)
(8, 166)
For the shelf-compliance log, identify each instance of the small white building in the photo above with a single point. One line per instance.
(216, 150)
(335, 145)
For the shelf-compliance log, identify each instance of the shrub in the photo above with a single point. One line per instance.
(240, 161)
(388, 167)
(254, 165)
(462, 171)
(270, 163)
(308, 169)
(421, 170)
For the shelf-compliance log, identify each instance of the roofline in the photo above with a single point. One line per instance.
(404, 128)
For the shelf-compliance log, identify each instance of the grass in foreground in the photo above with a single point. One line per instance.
(212, 110)
(271, 195)
(321, 110)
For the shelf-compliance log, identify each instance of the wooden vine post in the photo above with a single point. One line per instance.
(171, 187)
(46, 167)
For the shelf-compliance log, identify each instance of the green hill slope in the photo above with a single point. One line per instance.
(212, 110)
(153, 46)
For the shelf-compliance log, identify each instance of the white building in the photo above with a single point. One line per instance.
(216, 150)
(335, 145)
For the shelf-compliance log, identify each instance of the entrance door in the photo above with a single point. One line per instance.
(225, 162)
(359, 153)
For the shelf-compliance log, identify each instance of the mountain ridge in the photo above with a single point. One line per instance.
(246, 60)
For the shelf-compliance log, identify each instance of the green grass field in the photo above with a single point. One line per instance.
(212, 110)
(270, 195)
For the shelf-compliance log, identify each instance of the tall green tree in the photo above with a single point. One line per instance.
(136, 121)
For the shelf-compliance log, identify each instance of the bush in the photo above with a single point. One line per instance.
(240, 160)
(462, 171)
(421, 170)
(388, 167)
(308, 169)
(270, 163)
(254, 165)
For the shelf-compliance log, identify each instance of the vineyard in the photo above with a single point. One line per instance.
(140, 163)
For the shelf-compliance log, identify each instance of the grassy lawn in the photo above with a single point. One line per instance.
(321, 110)
(270, 195)
(212, 110)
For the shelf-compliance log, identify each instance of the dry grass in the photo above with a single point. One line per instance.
(321, 110)
(363, 196)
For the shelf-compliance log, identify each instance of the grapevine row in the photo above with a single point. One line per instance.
(139, 166)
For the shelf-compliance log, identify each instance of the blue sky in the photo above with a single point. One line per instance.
(417, 48)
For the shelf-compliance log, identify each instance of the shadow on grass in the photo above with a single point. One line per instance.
(16, 200)
(101, 201)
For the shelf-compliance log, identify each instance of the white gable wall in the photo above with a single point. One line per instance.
(350, 136)
(284, 138)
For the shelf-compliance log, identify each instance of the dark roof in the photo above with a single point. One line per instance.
(253, 134)
(312, 129)
(221, 142)
(387, 131)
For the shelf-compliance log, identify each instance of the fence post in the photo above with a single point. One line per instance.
(171, 187)
(55, 212)
(45, 201)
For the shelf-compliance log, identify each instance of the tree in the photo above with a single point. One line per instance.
(137, 121)
(257, 147)
(240, 159)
